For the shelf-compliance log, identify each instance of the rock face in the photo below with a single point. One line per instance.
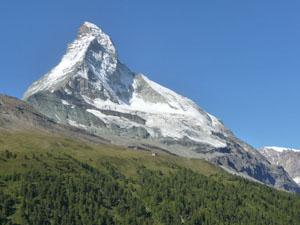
(19, 116)
(288, 158)
(91, 89)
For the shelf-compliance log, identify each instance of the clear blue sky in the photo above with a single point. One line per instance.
(239, 60)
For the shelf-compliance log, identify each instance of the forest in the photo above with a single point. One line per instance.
(76, 193)
(74, 183)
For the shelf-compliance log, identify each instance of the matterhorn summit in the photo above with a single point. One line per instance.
(91, 89)
(91, 57)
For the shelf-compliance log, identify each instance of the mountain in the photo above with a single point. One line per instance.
(92, 90)
(288, 158)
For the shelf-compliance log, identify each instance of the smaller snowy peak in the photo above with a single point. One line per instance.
(280, 149)
(288, 158)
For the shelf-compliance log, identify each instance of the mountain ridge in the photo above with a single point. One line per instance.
(92, 90)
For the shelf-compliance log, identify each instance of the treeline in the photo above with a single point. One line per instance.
(92, 197)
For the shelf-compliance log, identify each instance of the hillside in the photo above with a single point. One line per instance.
(46, 179)
(50, 174)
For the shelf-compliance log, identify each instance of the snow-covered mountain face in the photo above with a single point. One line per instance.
(91, 89)
(288, 158)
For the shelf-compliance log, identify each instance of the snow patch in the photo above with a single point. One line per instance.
(297, 180)
(280, 149)
(76, 124)
(64, 102)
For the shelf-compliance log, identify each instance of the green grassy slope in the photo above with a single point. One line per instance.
(127, 161)
(48, 179)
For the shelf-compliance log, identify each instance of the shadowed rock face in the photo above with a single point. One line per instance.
(92, 90)
(289, 159)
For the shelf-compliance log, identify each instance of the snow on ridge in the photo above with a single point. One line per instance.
(174, 99)
(280, 149)
(91, 25)
(74, 55)
(179, 104)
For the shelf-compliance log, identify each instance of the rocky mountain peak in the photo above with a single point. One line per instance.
(91, 57)
(93, 33)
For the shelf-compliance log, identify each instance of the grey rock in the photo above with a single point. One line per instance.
(289, 159)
